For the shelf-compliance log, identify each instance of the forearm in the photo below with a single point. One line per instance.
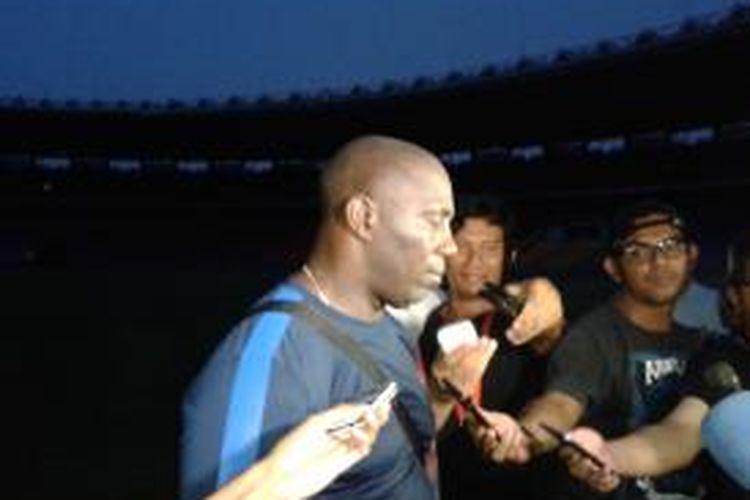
(442, 405)
(543, 343)
(260, 482)
(658, 449)
(554, 409)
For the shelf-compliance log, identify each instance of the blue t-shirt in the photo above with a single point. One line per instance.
(272, 371)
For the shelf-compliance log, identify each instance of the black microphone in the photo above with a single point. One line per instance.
(507, 307)
(506, 304)
(721, 380)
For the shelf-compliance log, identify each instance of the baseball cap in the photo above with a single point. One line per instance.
(629, 220)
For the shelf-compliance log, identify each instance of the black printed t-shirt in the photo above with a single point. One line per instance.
(625, 377)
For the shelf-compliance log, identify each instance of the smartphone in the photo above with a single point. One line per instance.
(563, 440)
(382, 398)
(466, 403)
(456, 334)
(385, 396)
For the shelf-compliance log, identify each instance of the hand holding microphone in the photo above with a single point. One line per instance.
(531, 312)
(721, 379)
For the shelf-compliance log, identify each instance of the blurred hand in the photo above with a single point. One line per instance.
(542, 315)
(600, 479)
(503, 440)
(310, 457)
(465, 365)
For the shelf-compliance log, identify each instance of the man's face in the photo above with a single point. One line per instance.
(479, 257)
(412, 237)
(655, 264)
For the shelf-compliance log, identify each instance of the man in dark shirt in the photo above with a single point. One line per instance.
(622, 365)
(482, 231)
(722, 366)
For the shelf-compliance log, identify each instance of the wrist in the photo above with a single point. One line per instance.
(618, 458)
(439, 391)
(259, 482)
(543, 343)
(273, 483)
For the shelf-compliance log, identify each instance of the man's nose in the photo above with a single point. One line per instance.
(657, 256)
(449, 246)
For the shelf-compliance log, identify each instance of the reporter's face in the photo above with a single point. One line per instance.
(479, 257)
(655, 265)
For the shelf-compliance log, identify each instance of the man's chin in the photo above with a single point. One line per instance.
(468, 292)
(664, 299)
(414, 296)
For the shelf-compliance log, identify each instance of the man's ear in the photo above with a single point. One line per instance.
(610, 267)
(361, 215)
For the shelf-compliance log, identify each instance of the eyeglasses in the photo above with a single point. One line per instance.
(640, 252)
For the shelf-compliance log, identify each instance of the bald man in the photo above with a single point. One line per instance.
(383, 239)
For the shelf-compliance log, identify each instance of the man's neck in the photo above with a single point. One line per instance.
(338, 290)
(648, 317)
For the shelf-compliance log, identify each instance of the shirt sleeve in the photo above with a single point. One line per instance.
(282, 376)
(577, 366)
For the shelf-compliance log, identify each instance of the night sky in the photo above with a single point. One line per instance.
(188, 49)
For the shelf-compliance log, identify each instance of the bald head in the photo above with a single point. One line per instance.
(370, 164)
(386, 222)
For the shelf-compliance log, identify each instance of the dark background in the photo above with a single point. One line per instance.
(113, 305)
(117, 285)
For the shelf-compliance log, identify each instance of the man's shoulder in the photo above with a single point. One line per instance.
(286, 317)
(290, 307)
(600, 331)
(696, 338)
(601, 319)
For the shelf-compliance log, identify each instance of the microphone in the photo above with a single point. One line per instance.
(721, 380)
(725, 432)
(504, 303)
(507, 308)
